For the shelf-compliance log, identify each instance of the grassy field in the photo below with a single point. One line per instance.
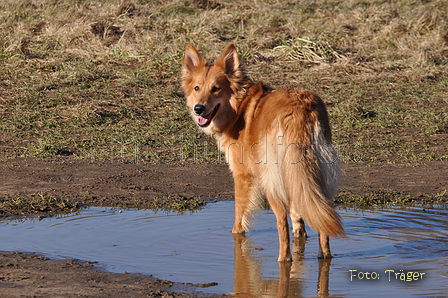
(100, 79)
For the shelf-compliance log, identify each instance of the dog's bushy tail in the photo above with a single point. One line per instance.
(312, 181)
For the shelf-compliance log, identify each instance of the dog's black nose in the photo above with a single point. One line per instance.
(199, 109)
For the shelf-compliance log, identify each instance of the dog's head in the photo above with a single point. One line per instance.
(213, 91)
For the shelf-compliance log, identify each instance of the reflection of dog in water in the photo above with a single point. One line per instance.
(249, 281)
(277, 143)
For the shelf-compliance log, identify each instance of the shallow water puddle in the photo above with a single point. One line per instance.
(388, 253)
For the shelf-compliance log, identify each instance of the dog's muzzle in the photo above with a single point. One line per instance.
(199, 109)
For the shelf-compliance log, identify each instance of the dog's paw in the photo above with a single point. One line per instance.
(287, 258)
(237, 231)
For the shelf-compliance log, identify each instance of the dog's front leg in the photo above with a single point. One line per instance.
(243, 189)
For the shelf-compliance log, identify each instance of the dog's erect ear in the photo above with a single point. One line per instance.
(230, 60)
(191, 60)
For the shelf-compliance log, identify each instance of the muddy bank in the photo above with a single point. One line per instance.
(136, 185)
(31, 275)
(110, 184)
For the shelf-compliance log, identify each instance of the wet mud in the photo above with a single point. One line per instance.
(114, 184)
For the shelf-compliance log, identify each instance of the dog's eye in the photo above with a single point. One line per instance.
(196, 88)
(215, 89)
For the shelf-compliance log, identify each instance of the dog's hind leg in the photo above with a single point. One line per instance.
(324, 247)
(298, 225)
(281, 214)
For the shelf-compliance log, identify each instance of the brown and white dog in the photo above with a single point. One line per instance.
(277, 143)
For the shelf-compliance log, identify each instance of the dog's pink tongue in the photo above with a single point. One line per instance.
(202, 120)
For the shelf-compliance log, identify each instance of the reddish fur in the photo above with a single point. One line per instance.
(277, 143)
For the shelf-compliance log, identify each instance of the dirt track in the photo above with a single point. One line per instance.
(28, 275)
(112, 183)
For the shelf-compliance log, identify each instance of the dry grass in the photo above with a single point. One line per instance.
(100, 79)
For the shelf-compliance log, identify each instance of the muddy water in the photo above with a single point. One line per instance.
(388, 253)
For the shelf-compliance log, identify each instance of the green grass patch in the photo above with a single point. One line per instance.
(178, 204)
(386, 199)
(37, 204)
(47, 205)
(100, 79)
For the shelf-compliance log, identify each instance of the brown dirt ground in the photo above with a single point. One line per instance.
(31, 275)
(107, 184)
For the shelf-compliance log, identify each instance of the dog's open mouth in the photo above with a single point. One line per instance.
(204, 121)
